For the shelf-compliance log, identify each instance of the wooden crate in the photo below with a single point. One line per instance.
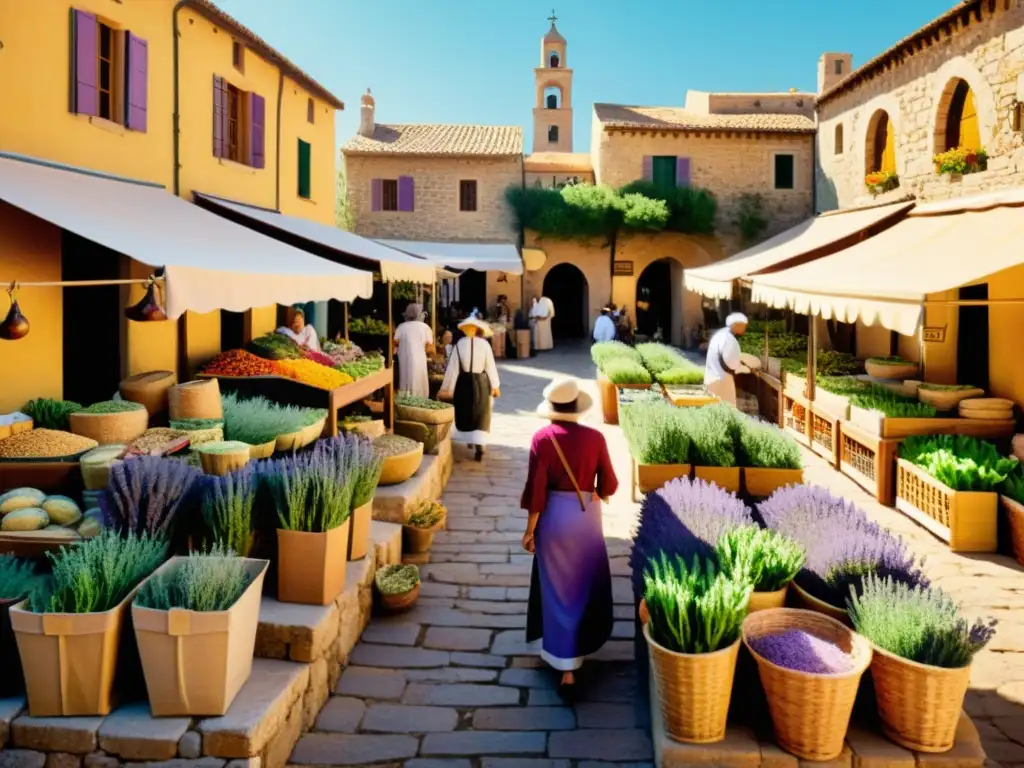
(868, 460)
(967, 520)
(768, 398)
(794, 385)
(876, 423)
(648, 478)
(825, 431)
(793, 423)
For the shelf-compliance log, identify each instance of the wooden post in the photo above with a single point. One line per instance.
(391, 332)
(346, 320)
(433, 309)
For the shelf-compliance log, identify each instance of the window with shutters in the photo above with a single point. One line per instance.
(109, 71)
(305, 169)
(235, 116)
(389, 195)
(784, 171)
(467, 195)
(664, 171)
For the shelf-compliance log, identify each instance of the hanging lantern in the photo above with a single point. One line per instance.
(148, 309)
(15, 325)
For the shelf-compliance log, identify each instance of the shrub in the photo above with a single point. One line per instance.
(693, 609)
(656, 433)
(659, 357)
(228, 503)
(843, 385)
(603, 351)
(210, 581)
(920, 624)
(624, 371)
(99, 573)
(766, 446)
(690, 209)
(147, 495)
(749, 217)
(396, 579)
(766, 559)
(18, 578)
(713, 431)
(963, 463)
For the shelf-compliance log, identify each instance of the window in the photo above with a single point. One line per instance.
(664, 171)
(839, 66)
(838, 149)
(389, 195)
(305, 169)
(234, 124)
(552, 134)
(1017, 116)
(552, 101)
(238, 56)
(467, 195)
(880, 152)
(553, 61)
(238, 124)
(107, 102)
(784, 171)
(310, 109)
(961, 117)
(108, 72)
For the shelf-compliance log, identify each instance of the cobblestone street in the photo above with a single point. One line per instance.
(450, 683)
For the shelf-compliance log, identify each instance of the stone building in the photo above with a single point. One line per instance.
(956, 82)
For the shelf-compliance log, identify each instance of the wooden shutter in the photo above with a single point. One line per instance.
(305, 169)
(220, 117)
(682, 171)
(257, 132)
(376, 194)
(84, 91)
(406, 193)
(136, 72)
(648, 168)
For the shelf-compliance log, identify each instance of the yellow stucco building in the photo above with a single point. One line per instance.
(177, 94)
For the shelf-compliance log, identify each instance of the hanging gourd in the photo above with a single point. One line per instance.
(148, 309)
(15, 325)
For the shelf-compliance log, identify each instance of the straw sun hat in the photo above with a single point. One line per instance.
(480, 325)
(564, 401)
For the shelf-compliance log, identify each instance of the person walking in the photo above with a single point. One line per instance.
(542, 313)
(604, 328)
(724, 359)
(569, 614)
(414, 341)
(470, 383)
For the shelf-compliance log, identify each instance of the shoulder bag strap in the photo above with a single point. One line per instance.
(572, 477)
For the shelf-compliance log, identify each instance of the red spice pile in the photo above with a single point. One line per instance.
(238, 362)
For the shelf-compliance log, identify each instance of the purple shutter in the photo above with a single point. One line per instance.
(257, 119)
(84, 92)
(682, 171)
(406, 194)
(136, 73)
(220, 114)
(648, 168)
(376, 194)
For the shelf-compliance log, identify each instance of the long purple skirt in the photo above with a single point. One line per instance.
(570, 610)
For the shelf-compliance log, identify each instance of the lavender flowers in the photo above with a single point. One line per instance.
(147, 495)
(312, 491)
(803, 652)
(228, 503)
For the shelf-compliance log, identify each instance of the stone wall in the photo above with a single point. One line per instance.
(728, 165)
(989, 55)
(436, 216)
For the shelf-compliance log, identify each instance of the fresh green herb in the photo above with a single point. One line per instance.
(755, 555)
(113, 406)
(681, 375)
(427, 515)
(625, 371)
(257, 420)
(363, 367)
(1013, 487)
(766, 446)
(210, 581)
(18, 578)
(50, 414)
(714, 432)
(275, 346)
(603, 351)
(368, 325)
(426, 403)
(890, 360)
(366, 465)
(656, 432)
(844, 385)
(660, 357)
(829, 363)
(963, 463)
(394, 445)
(892, 405)
(228, 509)
(397, 579)
(223, 446)
(947, 387)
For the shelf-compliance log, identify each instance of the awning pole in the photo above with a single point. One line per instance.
(433, 311)
(391, 332)
(83, 283)
(346, 320)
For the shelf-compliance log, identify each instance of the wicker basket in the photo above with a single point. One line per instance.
(397, 469)
(402, 602)
(110, 428)
(762, 601)
(810, 713)
(726, 478)
(946, 399)
(919, 705)
(967, 520)
(1015, 516)
(424, 415)
(149, 389)
(195, 400)
(761, 481)
(693, 690)
(651, 477)
(804, 599)
(883, 371)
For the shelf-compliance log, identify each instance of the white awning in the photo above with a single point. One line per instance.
(393, 265)
(888, 278)
(483, 257)
(811, 239)
(209, 263)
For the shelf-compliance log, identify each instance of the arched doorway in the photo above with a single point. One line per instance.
(659, 300)
(880, 149)
(567, 287)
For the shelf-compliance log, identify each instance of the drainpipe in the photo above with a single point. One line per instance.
(177, 118)
(277, 183)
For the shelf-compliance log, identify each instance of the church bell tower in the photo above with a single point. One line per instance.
(552, 113)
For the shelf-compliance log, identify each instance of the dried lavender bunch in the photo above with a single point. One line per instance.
(684, 518)
(921, 624)
(210, 581)
(147, 494)
(228, 503)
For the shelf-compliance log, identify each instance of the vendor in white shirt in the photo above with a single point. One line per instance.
(297, 330)
(604, 328)
(724, 359)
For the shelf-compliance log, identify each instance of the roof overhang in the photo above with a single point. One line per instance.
(457, 257)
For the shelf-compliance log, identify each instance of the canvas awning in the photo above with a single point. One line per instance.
(483, 257)
(887, 279)
(811, 239)
(359, 252)
(209, 263)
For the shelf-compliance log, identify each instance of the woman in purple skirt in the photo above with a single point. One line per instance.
(570, 610)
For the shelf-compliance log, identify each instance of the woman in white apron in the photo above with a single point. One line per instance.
(415, 341)
(471, 382)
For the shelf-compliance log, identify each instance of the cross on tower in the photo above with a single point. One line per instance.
(552, 18)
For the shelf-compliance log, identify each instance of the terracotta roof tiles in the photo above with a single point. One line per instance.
(439, 140)
(678, 119)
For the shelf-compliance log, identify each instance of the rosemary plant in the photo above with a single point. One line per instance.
(766, 559)
(18, 578)
(228, 503)
(210, 581)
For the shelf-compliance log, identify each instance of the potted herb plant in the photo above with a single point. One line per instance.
(195, 623)
(366, 465)
(810, 668)
(693, 637)
(227, 507)
(618, 367)
(713, 431)
(398, 586)
(402, 458)
(658, 442)
(771, 460)
(68, 632)
(418, 531)
(891, 367)
(18, 582)
(922, 661)
(423, 410)
(767, 560)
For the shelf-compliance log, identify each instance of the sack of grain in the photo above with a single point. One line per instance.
(195, 400)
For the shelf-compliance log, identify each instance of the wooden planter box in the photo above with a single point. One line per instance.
(695, 396)
(868, 460)
(877, 423)
(761, 482)
(793, 422)
(726, 478)
(610, 397)
(825, 434)
(794, 385)
(967, 520)
(648, 478)
(769, 398)
(834, 405)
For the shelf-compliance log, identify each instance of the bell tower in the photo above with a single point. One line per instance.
(552, 111)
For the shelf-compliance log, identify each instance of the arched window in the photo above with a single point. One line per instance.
(553, 60)
(838, 144)
(552, 134)
(552, 97)
(880, 149)
(961, 121)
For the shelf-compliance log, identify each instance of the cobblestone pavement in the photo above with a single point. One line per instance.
(450, 683)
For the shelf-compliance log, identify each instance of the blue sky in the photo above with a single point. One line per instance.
(471, 61)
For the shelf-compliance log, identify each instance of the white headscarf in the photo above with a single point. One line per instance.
(734, 318)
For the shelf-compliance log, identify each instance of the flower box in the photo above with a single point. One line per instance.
(609, 394)
(651, 477)
(763, 481)
(868, 460)
(311, 566)
(726, 478)
(967, 520)
(196, 662)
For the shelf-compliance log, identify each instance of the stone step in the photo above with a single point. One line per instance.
(394, 503)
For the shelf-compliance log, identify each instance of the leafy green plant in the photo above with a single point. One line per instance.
(274, 346)
(843, 385)
(829, 363)
(689, 374)
(763, 558)
(892, 405)
(660, 357)
(766, 446)
(920, 624)
(749, 217)
(203, 581)
(624, 371)
(228, 503)
(963, 463)
(366, 465)
(693, 608)
(962, 160)
(18, 578)
(365, 366)
(713, 431)
(890, 360)
(656, 433)
(195, 425)
(947, 387)
(397, 579)
(50, 414)
(604, 351)
(1013, 486)
(99, 573)
(780, 344)
(368, 325)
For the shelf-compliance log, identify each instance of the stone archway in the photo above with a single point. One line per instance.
(567, 287)
(950, 82)
(659, 300)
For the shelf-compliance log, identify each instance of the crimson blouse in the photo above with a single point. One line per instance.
(587, 455)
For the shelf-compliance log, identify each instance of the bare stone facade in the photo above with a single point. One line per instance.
(982, 44)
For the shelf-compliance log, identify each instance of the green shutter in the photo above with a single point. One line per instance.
(784, 171)
(304, 169)
(665, 171)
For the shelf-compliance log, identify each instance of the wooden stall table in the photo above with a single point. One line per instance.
(824, 431)
(769, 400)
(869, 460)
